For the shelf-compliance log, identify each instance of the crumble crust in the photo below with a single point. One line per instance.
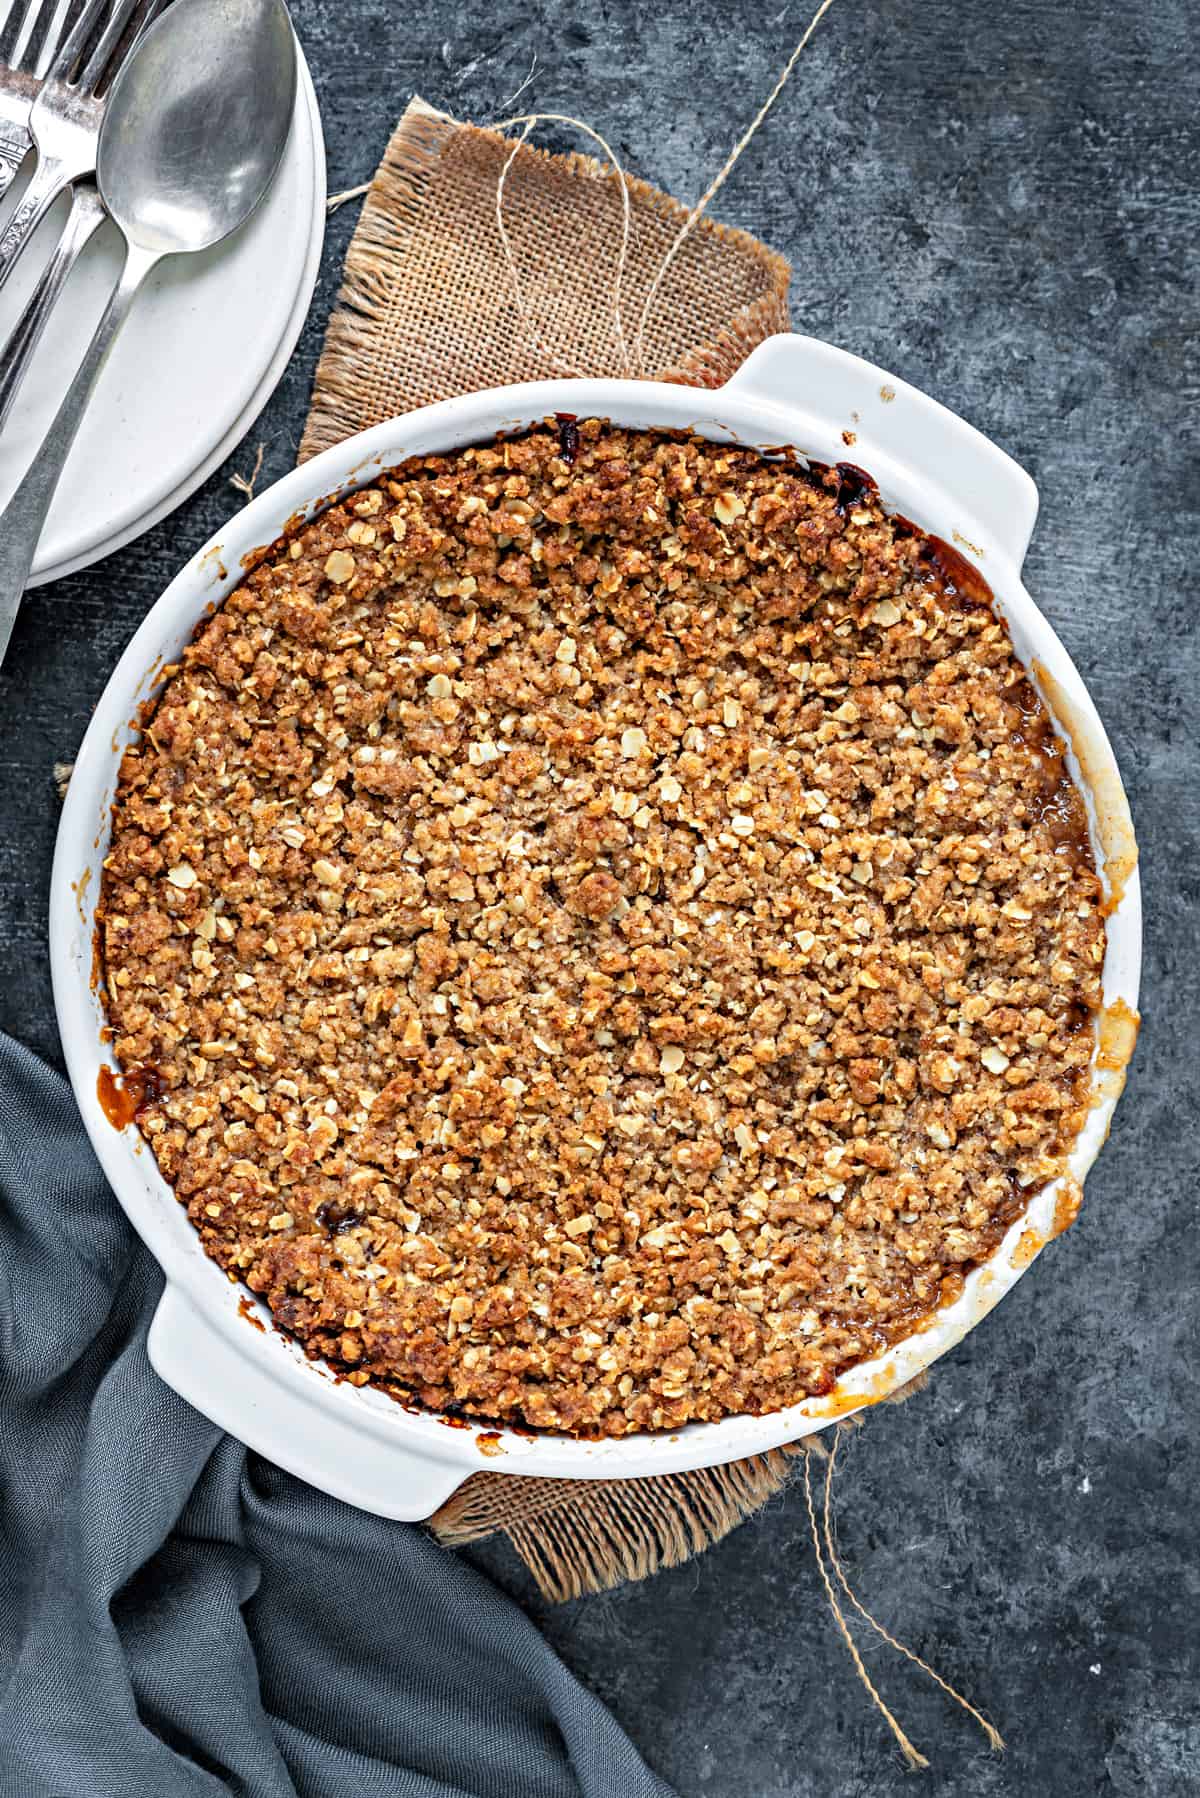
(601, 931)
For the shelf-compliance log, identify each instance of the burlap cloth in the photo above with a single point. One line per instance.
(427, 310)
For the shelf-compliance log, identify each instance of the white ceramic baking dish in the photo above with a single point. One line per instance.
(358, 1444)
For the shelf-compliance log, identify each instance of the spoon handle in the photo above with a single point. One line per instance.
(86, 214)
(23, 518)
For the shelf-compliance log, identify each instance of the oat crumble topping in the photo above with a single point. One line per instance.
(604, 931)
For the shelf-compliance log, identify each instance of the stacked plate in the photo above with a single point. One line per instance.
(204, 348)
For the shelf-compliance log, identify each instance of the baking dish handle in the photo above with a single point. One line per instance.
(274, 1417)
(881, 413)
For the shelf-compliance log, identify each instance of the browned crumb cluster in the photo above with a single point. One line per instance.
(602, 931)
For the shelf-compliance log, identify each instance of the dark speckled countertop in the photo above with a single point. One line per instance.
(1001, 203)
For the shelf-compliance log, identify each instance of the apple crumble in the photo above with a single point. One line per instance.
(599, 930)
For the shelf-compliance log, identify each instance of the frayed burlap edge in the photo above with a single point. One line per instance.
(381, 237)
(581, 1536)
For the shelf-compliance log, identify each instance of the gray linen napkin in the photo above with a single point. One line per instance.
(179, 1617)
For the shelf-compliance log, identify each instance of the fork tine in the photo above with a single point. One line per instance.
(76, 41)
(53, 20)
(109, 41)
(10, 31)
(145, 13)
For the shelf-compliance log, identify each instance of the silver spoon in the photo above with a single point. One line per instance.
(195, 128)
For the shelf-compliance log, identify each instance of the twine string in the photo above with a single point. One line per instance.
(343, 199)
(631, 364)
(528, 121)
(510, 261)
(246, 483)
(516, 95)
(995, 1739)
(912, 1755)
(714, 187)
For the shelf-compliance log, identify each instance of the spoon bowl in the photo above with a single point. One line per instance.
(197, 123)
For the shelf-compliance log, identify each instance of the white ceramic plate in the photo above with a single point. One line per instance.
(203, 350)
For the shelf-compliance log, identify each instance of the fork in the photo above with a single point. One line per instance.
(65, 118)
(28, 37)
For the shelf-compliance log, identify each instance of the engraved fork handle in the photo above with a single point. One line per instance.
(87, 213)
(25, 515)
(13, 146)
(50, 176)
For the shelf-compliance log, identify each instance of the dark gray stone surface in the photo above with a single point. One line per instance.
(1000, 203)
